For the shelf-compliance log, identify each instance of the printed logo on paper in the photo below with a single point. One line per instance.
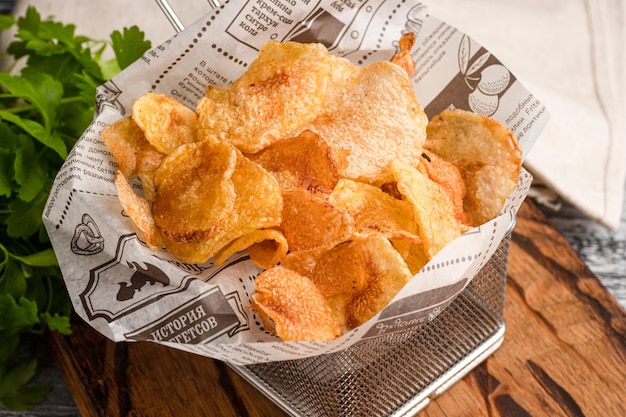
(87, 239)
(320, 26)
(341, 26)
(424, 308)
(107, 95)
(198, 321)
(478, 86)
(123, 284)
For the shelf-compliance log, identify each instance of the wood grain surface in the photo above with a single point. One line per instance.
(564, 353)
(603, 250)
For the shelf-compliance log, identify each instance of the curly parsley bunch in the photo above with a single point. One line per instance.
(47, 98)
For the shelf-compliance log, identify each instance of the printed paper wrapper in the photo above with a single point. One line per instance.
(130, 293)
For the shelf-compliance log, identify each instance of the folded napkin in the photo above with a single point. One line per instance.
(569, 53)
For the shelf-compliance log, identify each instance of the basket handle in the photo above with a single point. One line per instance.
(171, 15)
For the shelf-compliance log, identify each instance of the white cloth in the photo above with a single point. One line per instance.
(97, 19)
(569, 53)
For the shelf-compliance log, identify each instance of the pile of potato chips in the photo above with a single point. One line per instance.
(327, 173)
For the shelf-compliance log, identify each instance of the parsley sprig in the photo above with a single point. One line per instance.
(47, 99)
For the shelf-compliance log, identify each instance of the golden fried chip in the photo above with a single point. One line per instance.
(404, 58)
(269, 252)
(265, 246)
(374, 209)
(372, 112)
(134, 155)
(304, 261)
(290, 305)
(448, 176)
(360, 277)
(432, 208)
(190, 252)
(282, 90)
(485, 152)
(257, 204)
(138, 209)
(416, 257)
(194, 191)
(305, 161)
(166, 122)
(130, 149)
(309, 220)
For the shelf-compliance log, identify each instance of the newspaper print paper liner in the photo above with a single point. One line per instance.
(129, 293)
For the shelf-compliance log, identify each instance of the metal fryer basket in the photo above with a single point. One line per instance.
(397, 374)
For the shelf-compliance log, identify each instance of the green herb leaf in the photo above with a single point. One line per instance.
(14, 393)
(29, 174)
(6, 21)
(40, 90)
(17, 315)
(47, 100)
(7, 154)
(8, 347)
(57, 323)
(12, 281)
(129, 45)
(45, 257)
(50, 139)
(25, 218)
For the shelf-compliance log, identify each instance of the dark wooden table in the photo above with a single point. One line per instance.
(564, 352)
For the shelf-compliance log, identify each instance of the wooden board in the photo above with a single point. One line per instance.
(564, 353)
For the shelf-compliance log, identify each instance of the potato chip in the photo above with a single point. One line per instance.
(290, 305)
(190, 252)
(448, 176)
(138, 209)
(194, 191)
(374, 209)
(256, 204)
(432, 208)
(305, 161)
(403, 58)
(130, 149)
(304, 261)
(265, 246)
(166, 122)
(415, 257)
(371, 113)
(360, 277)
(309, 220)
(270, 252)
(283, 89)
(134, 155)
(374, 115)
(485, 152)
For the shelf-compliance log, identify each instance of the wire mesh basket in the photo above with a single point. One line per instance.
(397, 374)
